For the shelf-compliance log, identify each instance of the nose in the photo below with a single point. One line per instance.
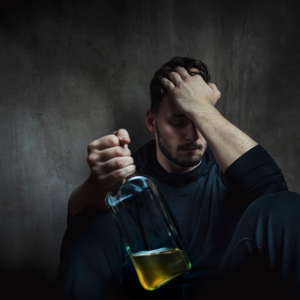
(191, 132)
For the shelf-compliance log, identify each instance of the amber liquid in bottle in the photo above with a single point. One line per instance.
(157, 267)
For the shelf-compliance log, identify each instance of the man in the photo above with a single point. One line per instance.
(227, 197)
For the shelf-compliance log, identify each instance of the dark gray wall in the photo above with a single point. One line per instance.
(73, 71)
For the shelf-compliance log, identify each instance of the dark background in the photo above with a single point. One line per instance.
(73, 71)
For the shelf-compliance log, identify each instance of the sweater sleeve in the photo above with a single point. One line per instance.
(256, 174)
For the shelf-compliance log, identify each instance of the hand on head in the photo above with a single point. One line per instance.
(190, 92)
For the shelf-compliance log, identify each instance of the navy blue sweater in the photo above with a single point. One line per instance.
(206, 205)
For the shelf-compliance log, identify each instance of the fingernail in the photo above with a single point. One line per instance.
(123, 137)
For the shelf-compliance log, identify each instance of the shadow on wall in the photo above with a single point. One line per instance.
(25, 286)
(134, 123)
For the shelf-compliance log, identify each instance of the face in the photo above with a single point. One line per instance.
(175, 132)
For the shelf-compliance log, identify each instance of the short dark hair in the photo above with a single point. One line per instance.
(158, 91)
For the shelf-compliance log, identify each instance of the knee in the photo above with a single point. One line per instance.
(91, 231)
(272, 220)
(279, 211)
(92, 246)
(282, 203)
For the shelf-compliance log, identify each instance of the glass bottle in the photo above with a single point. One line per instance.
(147, 230)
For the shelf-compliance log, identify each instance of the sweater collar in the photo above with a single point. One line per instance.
(146, 162)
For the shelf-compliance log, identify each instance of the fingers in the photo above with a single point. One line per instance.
(102, 156)
(109, 179)
(182, 72)
(110, 159)
(123, 136)
(213, 86)
(176, 78)
(112, 165)
(169, 85)
(118, 138)
(217, 93)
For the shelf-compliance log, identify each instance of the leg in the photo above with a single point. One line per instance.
(263, 258)
(92, 256)
(94, 262)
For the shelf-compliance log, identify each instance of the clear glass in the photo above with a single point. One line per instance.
(148, 232)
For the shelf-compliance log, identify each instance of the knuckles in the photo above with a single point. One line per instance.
(113, 140)
(180, 84)
(91, 159)
(189, 78)
(94, 169)
(118, 174)
(218, 94)
(108, 139)
(119, 151)
(120, 163)
(91, 147)
(98, 168)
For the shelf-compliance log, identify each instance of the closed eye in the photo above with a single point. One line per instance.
(179, 124)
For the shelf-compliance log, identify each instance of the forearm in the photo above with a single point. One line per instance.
(256, 173)
(226, 141)
(88, 194)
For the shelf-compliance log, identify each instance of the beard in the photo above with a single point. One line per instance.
(178, 160)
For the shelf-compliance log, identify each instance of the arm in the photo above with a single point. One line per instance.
(226, 141)
(196, 99)
(255, 174)
(250, 169)
(88, 194)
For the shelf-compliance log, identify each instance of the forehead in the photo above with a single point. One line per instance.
(168, 109)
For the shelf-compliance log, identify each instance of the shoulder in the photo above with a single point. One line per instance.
(143, 156)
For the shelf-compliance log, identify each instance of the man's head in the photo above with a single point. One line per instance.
(174, 131)
(158, 91)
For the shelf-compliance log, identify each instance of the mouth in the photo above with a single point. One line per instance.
(189, 149)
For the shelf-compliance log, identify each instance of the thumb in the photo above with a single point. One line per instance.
(123, 136)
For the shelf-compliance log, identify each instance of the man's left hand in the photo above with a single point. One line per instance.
(191, 94)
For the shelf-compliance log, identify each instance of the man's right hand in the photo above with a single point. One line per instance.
(110, 159)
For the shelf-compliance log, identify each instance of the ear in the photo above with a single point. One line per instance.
(150, 120)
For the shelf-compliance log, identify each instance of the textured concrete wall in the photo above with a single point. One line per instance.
(73, 71)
